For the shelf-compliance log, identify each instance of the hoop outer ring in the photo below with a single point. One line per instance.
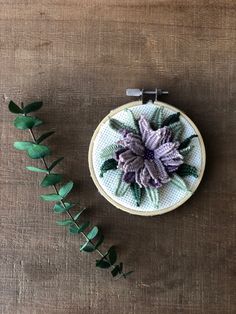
(158, 211)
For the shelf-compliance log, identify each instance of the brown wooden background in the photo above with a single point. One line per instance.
(79, 56)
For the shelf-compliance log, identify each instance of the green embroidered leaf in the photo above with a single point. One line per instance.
(38, 151)
(122, 187)
(185, 151)
(51, 179)
(157, 118)
(118, 126)
(187, 141)
(23, 145)
(171, 119)
(109, 164)
(35, 169)
(153, 195)
(65, 222)
(23, 123)
(65, 190)
(133, 120)
(51, 197)
(137, 193)
(179, 182)
(87, 247)
(14, 108)
(108, 151)
(176, 128)
(112, 255)
(53, 165)
(32, 107)
(187, 170)
(44, 136)
(102, 263)
(93, 233)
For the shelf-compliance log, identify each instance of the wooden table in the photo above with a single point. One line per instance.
(79, 57)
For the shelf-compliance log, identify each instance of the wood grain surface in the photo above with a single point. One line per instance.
(79, 56)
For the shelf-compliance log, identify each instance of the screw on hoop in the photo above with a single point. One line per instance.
(146, 95)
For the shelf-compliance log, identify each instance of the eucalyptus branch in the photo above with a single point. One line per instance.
(94, 237)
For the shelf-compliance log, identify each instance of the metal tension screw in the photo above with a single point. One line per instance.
(146, 95)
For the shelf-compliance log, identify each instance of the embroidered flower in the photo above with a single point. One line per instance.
(149, 158)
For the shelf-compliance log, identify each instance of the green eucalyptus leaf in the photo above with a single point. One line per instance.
(33, 107)
(125, 275)
(65, 222)
(23, 122)
(87, 247)
(82, 227)
(112, 255)
(51, 197)
(37, 121)
(23, 145)
(102, 263)
(100, 240)
(59, 208)
(65, 189)
(73, 229)
(35, 169)
(54, 163)
(38, 151)
(79, 213)
(121, 267)
(14, 108)
(117, 270)
(93, 233)
(51, 179)
(44, 136)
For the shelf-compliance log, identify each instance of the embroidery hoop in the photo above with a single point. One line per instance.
(156, 211)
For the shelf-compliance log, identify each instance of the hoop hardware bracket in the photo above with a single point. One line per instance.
(146, 95)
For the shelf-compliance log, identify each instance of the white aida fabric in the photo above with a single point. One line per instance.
(169, 194)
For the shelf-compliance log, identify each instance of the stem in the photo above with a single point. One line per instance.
(68, 212)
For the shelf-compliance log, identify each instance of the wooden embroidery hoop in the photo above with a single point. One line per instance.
(158, 211)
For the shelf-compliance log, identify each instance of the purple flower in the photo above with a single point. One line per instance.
(150, 157)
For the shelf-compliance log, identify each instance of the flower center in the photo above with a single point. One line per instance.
(148, 154)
